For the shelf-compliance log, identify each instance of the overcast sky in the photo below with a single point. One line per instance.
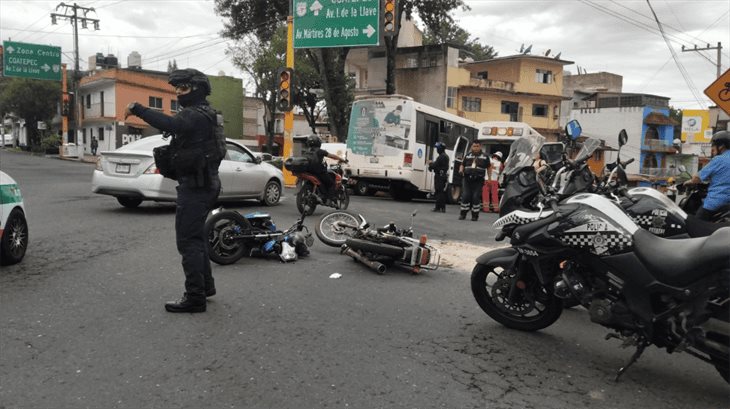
(618, 36)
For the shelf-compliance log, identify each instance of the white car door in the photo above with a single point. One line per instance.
(242, 173)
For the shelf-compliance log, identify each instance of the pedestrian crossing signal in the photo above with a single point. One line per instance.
(389, 13)
(286, 76)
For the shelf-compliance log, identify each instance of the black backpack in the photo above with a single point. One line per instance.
(217, 149)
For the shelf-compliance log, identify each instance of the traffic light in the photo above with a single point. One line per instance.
(286, 97)
(389, 23)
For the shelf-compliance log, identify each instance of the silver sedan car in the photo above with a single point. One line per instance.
(129, 174)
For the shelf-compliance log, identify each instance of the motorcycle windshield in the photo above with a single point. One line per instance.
(589, 146)
(522, 153)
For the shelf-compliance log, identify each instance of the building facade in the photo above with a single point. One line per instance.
(648, 125)
(104, 95)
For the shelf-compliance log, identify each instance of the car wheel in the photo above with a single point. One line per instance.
(129, 202)
(363, 189)
(272, 193)
(15, 239)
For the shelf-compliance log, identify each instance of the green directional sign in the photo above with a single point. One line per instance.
(336, 23)
(36, 61)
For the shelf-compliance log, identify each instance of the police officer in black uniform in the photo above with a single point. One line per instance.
(197, 191)
(474, 168)
(440, 168)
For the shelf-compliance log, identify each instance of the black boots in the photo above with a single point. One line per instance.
(187, 304)
(474, 216)
(462, 215)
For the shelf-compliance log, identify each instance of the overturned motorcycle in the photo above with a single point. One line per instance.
(377, 248)
(232, 235)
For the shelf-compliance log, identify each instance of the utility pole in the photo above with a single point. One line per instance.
(75, 14)
(719, 54)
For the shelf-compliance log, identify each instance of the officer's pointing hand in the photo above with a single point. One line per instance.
(128, 110)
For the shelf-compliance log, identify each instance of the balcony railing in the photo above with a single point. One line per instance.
(657, 145)
(492, 84)
(96, 110)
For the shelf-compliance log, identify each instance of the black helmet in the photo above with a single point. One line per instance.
(721, 138)
(195, 78)
(313, 141)
(440, 147)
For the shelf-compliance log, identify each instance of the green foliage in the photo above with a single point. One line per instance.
(449, 32)
(262, 54)
(32, 100)
(50, 143)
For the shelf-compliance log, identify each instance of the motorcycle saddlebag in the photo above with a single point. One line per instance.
(297, 164)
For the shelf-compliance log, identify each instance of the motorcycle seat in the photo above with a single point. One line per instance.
(701, 228)
(681, 262)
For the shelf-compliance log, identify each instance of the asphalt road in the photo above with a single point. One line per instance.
(82, 323)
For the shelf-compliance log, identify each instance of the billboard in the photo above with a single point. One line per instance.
(696, 126)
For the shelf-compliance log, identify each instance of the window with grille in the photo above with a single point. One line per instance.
(471, 104)
(539, 110)
(451, 97)
(544, 76)
(155, 103)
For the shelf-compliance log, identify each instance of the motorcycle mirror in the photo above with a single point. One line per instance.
(623, 137)
(415, 212)
(573, 129)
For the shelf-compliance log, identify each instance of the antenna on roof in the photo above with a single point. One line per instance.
(547, 52)
(522, 48)
(557, 57)
(528, 49)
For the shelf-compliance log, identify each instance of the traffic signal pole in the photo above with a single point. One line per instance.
(289, 179)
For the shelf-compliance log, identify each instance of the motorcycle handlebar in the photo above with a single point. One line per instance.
(627, 163)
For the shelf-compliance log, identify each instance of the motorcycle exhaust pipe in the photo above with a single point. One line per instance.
(377, 266)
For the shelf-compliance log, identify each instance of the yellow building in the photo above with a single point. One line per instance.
(523, 88)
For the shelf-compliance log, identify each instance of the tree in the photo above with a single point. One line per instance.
(676, 114)
(263, 19)
(448, 32)
(32, 100)
(431, 12)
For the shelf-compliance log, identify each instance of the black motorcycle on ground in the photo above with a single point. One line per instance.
(674, 294)
(232, 235)
(377, 248)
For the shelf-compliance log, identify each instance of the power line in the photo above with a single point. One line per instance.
(113, 35)
(682, 70)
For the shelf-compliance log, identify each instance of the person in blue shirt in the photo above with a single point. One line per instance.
(717, 174)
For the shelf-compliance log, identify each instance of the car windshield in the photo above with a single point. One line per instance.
(589, 146)
(523, 152)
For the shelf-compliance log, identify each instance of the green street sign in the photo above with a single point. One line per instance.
(336, 23)
(36, 61)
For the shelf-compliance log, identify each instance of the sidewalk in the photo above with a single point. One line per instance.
(86, 159)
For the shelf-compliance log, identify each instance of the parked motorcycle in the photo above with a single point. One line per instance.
(648, 290)
(377, 248)
(232, 235)
(311, 192)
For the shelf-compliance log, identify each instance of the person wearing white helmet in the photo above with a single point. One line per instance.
(490, 195)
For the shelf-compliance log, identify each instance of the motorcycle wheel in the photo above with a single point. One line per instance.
(533, 308)
(222, 249)
(382, 249)
(325, 228)
(304, 198)
(343, 198)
